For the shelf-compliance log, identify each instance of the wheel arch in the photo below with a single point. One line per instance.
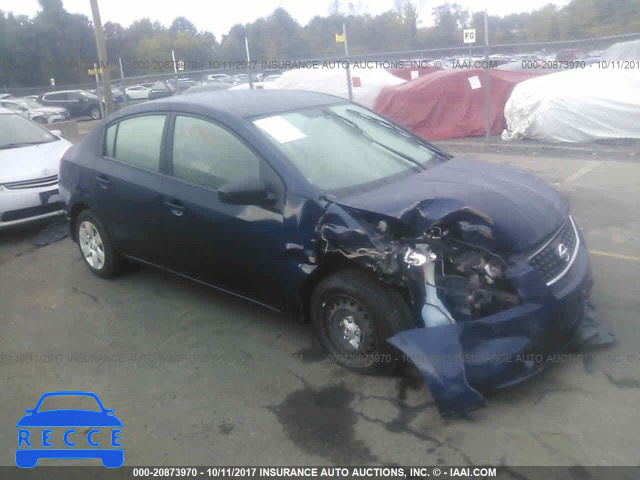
(330, 265)
(76, 210)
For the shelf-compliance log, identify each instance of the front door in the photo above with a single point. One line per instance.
(237, 247)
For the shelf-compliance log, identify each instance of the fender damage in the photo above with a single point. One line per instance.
(485, 320)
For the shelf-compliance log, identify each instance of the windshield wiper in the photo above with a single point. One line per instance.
(22, 144)
(391, 126)
(357, 128)
(384, 123)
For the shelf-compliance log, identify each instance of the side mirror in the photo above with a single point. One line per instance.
(57, 133)
(247, 191)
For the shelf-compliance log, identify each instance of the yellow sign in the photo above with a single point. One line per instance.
(92, 71)
(339, 38)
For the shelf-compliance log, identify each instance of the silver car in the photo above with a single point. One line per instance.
(35, 111)
(29, 163)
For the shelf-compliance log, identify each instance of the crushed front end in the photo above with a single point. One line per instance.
(493, 322)
(485, 320)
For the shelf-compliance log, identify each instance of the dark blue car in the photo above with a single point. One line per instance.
(308, 203)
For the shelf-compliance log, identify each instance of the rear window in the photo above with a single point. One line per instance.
(55, 96)
(109, 141)
(138, 141)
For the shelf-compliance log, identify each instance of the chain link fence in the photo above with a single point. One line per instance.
(587, 49)
(539, 56)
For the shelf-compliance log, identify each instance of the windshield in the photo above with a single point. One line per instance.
(88, 95)
(18, 131)
(345, 146)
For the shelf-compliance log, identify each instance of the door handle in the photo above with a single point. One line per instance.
(176, 207)
(103, 181)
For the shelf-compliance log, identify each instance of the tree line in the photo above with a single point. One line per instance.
(57, 44)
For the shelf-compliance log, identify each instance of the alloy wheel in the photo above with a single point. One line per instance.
(91, 245)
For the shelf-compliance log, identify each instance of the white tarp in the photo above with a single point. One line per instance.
(580, 105)
(623, 51)
(367, 82)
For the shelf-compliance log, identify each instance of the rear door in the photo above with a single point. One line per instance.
(127, 185)
(237, 247)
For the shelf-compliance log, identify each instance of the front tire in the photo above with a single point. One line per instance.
(95, 113)
(353, 315)
(95, 246)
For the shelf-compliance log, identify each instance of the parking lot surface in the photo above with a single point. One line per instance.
(197, 376)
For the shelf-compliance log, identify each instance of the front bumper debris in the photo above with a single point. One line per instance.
(463, 359)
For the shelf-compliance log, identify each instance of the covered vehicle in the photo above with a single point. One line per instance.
(331, 79)
(308, 203)
(449, 103)
(409, 73)
(622, 51)
(576, 106)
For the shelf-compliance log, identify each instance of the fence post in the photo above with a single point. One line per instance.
(346, 52)
(246, 46)
(487, 81)
(175, 71)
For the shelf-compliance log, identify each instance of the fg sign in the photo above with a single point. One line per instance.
(469, 35)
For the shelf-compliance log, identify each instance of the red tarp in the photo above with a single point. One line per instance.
(449, 103)
(405, 73)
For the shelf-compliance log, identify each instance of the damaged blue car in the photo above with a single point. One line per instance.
(395, 252)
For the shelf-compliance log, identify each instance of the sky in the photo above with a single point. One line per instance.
(219, 16)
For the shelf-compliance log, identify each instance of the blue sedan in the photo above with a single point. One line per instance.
(395, 252)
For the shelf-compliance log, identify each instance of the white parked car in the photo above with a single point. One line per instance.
(35, 111)
(137, 92)
(221, 77)
(29, 164)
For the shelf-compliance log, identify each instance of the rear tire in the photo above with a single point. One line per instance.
(353, 315)
(96, 246)
(95, 113)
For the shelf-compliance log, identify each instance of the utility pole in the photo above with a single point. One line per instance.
(103, 62)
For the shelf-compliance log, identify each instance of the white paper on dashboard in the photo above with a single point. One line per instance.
(280, 129)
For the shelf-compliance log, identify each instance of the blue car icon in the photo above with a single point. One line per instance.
(31, 448)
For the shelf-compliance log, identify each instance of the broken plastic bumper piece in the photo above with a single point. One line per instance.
(463, 359)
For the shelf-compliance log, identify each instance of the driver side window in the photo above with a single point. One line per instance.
(208, 155)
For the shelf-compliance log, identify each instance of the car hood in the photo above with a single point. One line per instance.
(495, 206)
(31, 162)
(69, 418)
(50, 110)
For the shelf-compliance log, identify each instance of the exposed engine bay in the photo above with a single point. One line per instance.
(474, 304)
(460, 281)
